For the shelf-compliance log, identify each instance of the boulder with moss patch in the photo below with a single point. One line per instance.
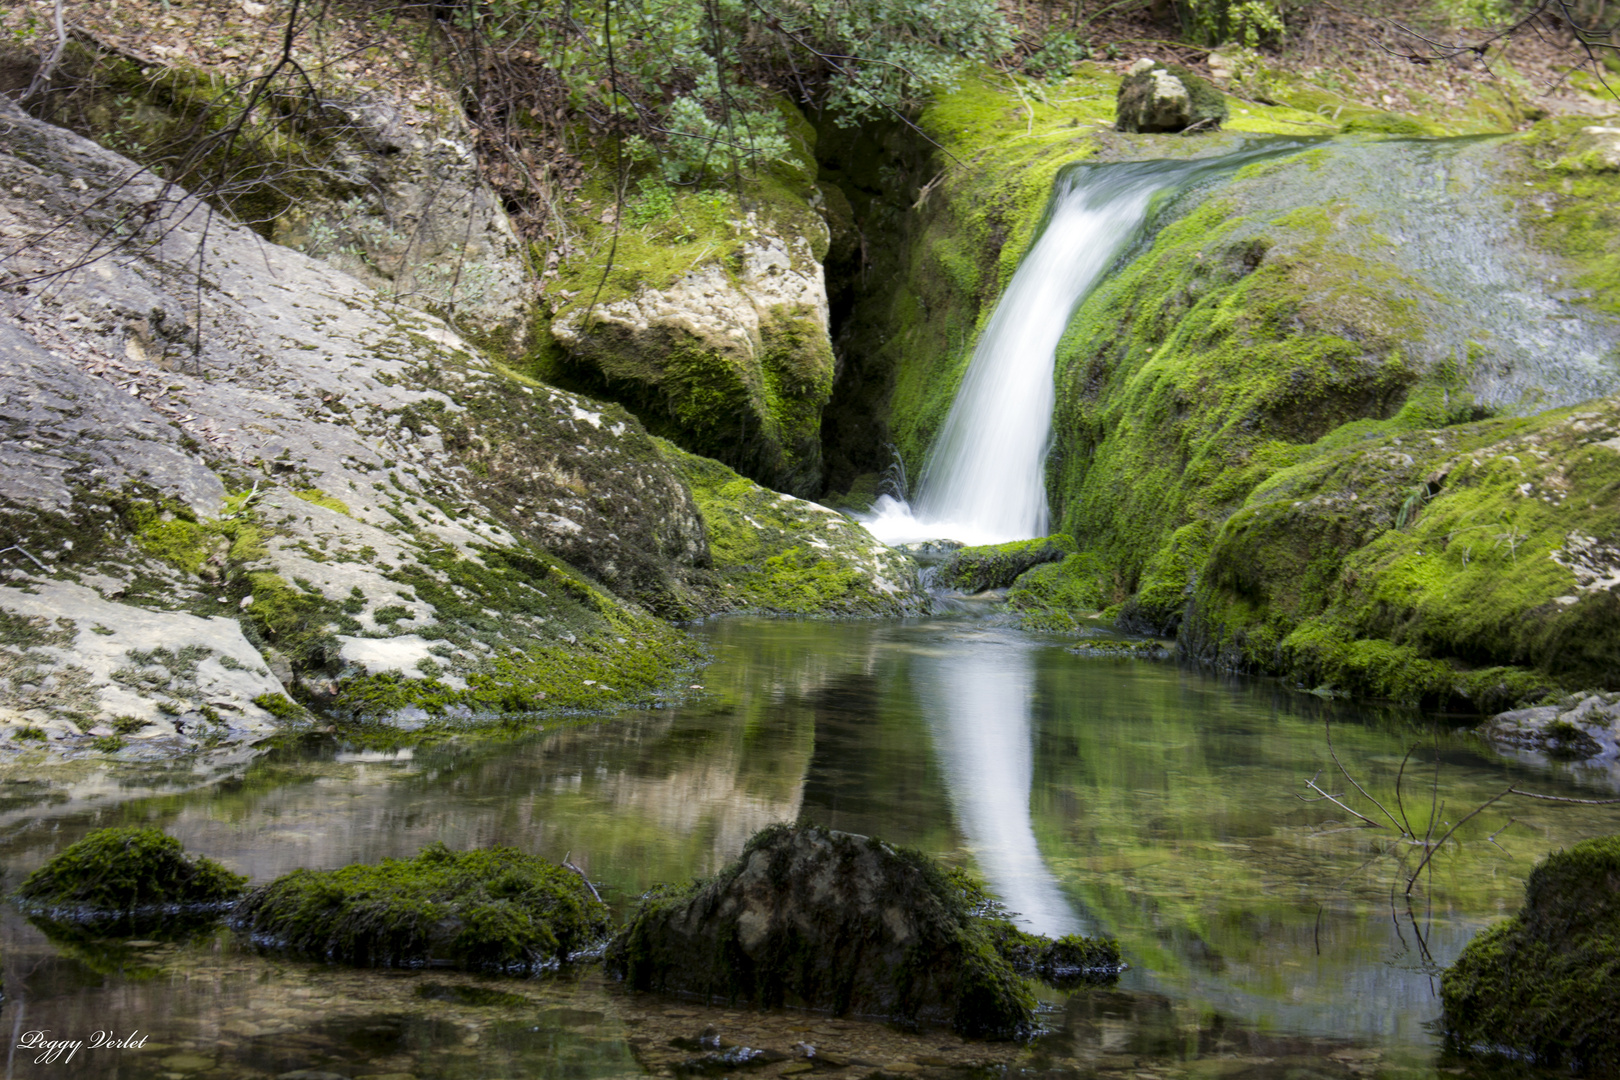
(128, 878)
(774, 553)
(996, 566)
(1167, 98)
(1584, 727)
(495, 910)
(827, 920)
(1545, 984)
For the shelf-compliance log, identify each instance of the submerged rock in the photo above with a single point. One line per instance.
(1545, 984)
(828, 920)
(127, 879)
(482, 910)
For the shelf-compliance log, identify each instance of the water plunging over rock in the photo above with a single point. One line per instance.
(985, 481)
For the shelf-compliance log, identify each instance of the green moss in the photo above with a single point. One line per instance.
(1569, 200)
(774, 553)
(974, 569)
(125, 870)
(321, 498)
(482, 910)
(1545, 985)
(279, 705)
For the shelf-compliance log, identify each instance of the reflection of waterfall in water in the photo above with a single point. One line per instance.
(978, 698)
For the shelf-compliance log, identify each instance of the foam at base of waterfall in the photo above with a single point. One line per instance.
(892, 521)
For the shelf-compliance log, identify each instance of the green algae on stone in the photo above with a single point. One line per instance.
(493, 909)
(827, 920)
(124, 871)
(1545, 984)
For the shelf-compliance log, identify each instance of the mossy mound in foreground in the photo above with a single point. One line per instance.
(827, 920)
(493, 909)
(1546, 983)
(116, 875)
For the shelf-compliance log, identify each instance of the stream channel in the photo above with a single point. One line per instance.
(1141, 799)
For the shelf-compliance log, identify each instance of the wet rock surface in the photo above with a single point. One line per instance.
(1584, 727)
(827, 920)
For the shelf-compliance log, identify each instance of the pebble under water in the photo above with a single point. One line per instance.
(1140, 799)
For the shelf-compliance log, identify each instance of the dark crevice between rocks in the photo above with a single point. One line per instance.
(870, 178)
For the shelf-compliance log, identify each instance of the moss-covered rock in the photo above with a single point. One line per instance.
(705, 313)
(996, 566)
(495, 909)
(1416, 566)
(1167, 97)
(1545, 984)
(826, 920)
(774, 553)
(122, 873)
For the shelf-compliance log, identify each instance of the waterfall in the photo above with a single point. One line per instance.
(985, 480)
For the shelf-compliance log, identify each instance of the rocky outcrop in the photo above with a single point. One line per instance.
(408, 212)
(273, 479)
(1584, 728)
(997, 566)
(731, 360)
(827, 920)
(1157, 98)
(1545, 984)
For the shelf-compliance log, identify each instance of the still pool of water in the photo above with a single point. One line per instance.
(1268, 935)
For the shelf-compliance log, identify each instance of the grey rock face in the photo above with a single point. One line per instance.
(190, 457)
(415, 219)
(1585, 728)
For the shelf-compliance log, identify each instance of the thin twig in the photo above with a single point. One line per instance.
(1328, 726)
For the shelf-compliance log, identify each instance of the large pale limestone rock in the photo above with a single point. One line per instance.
(734, 364)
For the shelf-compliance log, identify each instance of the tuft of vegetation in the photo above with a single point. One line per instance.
(1545, 984)
(493, 909)
(124, 871)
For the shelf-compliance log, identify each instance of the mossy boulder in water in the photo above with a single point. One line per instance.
(1546, 983)
(996, 566)
(114, 875)
(828, 920)
(495, 909)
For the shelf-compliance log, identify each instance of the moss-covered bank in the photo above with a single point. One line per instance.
(1545, 984)
(774, 553)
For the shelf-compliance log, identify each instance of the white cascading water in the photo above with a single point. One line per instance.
(985, 482)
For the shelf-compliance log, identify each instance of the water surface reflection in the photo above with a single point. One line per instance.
(1147, 801)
